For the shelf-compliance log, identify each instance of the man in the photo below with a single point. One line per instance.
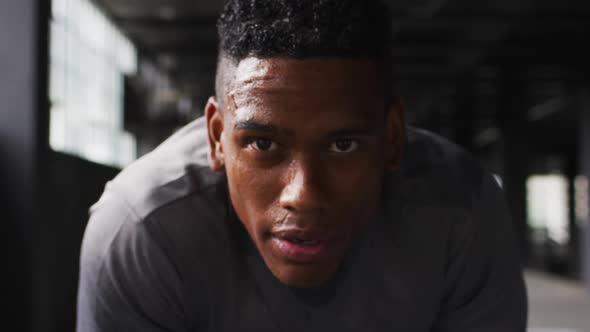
(300, 202)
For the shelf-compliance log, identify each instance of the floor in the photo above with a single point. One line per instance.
(557, 305)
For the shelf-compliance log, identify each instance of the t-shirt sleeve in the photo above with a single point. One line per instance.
(485, 289)
(127, 282)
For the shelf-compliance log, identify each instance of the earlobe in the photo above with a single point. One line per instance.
(396, 135)
(215, 130)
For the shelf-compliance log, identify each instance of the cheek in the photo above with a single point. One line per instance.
(357, 182)
(253, 190)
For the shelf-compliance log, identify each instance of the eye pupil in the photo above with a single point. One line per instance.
(343, 145)
(263, 144)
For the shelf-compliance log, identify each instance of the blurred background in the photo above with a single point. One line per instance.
(88, 86)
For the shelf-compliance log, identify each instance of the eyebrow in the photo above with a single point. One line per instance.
(258, 126)
(269, 128)
(352, 132)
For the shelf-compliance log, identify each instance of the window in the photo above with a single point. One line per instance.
(89, 57)
(547, 205)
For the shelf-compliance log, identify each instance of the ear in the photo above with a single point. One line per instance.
(395, 135)
(215, 130)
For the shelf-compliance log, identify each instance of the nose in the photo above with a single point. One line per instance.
(304, 190)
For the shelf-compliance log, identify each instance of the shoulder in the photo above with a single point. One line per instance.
(174, 170)
(438, 172)
(456, 218)
(151, 226)
(167, 195)
(442, 195)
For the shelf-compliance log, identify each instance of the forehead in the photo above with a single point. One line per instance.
(285, 83)
(308, 74)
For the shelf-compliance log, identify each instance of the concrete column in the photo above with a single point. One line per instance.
(584, 116)
(22, 133)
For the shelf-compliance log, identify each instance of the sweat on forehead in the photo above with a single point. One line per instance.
(283, 74)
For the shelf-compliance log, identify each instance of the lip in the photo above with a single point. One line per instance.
(289, 245)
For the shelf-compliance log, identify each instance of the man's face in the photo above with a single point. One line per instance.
(305, 145)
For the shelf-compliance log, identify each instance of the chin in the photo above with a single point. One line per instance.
(304, 276)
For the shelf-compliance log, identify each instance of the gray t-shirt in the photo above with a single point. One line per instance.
(164, 251)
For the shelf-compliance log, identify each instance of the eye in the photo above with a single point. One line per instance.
(344, 146)
(263, 144)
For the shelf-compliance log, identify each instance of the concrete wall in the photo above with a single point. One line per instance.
(73, 186)
(19, 144)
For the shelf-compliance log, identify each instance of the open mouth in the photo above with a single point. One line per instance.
(299, 247)
(301, 241)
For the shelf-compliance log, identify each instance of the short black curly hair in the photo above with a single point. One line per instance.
(356, 29)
